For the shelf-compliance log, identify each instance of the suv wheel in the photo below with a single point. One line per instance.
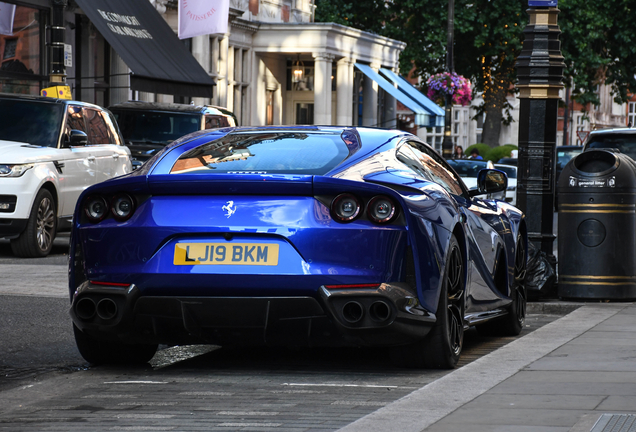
(37, 238)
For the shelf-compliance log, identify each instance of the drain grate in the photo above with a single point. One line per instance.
(615, 423)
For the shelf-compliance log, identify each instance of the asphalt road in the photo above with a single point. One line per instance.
(45, 383)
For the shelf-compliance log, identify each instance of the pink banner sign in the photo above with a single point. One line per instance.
(202, 17)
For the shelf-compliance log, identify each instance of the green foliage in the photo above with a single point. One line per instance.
(483, 149)
(496, 153)
(597, 40)
(599, 45)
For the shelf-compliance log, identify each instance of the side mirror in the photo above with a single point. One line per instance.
(490, 181)
(77, 138)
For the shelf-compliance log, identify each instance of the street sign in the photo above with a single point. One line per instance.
(582, 135)
(544, 3)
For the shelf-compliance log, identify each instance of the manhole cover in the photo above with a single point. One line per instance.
(615, 423)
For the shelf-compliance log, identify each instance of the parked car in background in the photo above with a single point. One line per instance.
(468, 170)
(511, 190)
(620, 139)
(50, 151)
(563, 155)
(147, 127)
(508, 161)
(299, 235)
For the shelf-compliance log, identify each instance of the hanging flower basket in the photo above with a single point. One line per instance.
(445, 83)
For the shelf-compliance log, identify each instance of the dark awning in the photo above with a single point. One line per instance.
(159, 61)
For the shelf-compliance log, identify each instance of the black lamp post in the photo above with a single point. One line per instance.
(447, 143)
(57, 69)
(540, 74)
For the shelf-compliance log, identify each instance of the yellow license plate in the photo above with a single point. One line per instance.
(264, 254)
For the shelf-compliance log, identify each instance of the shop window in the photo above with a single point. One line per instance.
(21, 57)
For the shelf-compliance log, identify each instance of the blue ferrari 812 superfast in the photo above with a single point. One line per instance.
(295, 236)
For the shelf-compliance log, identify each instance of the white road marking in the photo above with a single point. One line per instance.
(248, 413)
(135, 382)
(343, 385)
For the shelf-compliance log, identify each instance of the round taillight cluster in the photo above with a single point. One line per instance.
(121, 207)
(347, 207)
(381, 209)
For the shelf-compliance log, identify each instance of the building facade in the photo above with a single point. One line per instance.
(274, 66)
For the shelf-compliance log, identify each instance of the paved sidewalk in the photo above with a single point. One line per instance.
(560, 378)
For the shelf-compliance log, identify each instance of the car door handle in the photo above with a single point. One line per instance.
(115, 156)
(91, 158)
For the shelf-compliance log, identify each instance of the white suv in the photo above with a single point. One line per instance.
(50, 151)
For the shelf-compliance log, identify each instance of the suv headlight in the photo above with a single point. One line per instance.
(7, 170)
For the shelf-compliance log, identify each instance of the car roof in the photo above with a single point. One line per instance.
(468, 161)
(505, 165)
(47, 99)
(171, 107)
(624, 130)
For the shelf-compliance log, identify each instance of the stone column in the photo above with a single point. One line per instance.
(322, 88)
(201, 52)
(370, 100)
(344, 91)
(222, 80)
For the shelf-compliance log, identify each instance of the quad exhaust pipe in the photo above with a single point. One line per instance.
(106, 309)
(380, 311)
(86, 309)
(353, 312)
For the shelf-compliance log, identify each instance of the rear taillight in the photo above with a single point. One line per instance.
(381, 209)
(122, 206)
(345, 207)
(95, 208)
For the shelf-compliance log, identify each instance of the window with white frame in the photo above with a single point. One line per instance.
(631, 114)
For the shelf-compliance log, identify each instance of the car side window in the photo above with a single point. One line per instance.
(212, 122)
(437, 169)
(111, 127)
(407, 156)
(74, 120)
(97, 129)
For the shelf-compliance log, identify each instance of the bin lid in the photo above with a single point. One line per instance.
(600, 169)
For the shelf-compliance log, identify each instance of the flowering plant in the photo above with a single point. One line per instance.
(445, 83)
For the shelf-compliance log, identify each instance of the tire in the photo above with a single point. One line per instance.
(36, 240)
(107, 352)
(515, 320)
(443, 345)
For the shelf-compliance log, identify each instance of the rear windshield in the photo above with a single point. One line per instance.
(155, 127)
(510, 171)
(625, 143)
(32, 122)
(266, 153)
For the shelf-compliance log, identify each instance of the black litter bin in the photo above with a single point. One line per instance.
(597, 227)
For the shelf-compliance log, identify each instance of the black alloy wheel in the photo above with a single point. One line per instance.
(455, 302)
(518, 291)
(443, 345)
(513, 323)
(37, 238)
